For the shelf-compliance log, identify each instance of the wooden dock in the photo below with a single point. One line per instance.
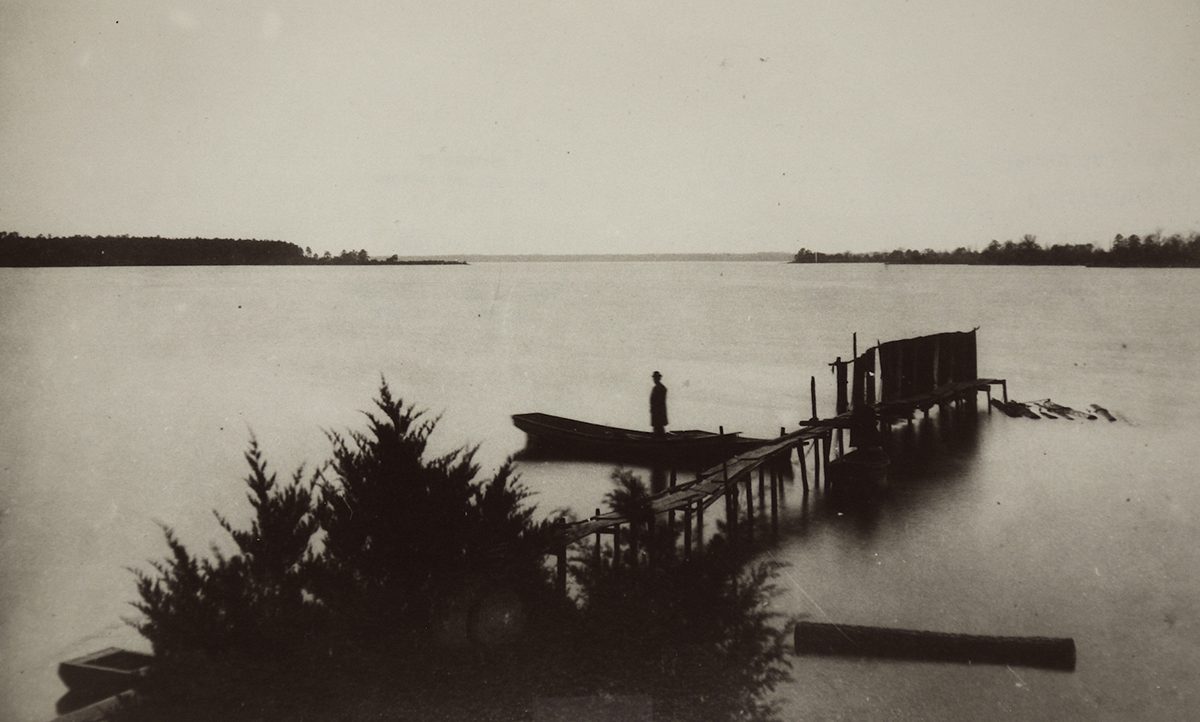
(914, 374)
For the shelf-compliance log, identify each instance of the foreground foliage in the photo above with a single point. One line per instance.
(392, 584)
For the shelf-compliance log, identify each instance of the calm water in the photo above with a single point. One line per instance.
(129, 395)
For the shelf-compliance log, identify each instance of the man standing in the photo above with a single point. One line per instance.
(658, 405)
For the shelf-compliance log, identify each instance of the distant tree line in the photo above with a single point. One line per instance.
(1153, 250)
(17, 250)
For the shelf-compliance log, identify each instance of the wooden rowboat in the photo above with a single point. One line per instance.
(555, 436)
(108, 670)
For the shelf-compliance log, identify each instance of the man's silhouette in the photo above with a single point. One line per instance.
(658, 405)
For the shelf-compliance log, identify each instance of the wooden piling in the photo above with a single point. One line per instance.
(749, 507)
(634, 544)
(812, 387)
(596, 554)
(817, 463)
(560, 577)
(687, 531)
(730, 515)
(828, 444)
(761, 472)
(616, 556)
(651, 533)
(776, 480)
(1004, 388)
(671, 529)
(803, 464)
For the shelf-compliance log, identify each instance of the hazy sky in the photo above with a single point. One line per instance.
(512, 127)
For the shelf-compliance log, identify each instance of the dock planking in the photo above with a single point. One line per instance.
(709, 486)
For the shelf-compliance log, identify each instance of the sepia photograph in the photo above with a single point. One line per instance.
(599, 361)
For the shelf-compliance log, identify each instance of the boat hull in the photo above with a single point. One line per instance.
(558, 437)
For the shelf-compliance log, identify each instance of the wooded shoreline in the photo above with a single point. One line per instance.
(17, 251)
(1151, 251)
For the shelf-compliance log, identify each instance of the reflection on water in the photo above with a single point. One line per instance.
(930, 452)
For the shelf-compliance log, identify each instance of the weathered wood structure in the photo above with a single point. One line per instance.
(887, 382)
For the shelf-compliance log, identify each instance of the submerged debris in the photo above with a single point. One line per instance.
(1015, 409)
(1050, 410)
(1049, 407)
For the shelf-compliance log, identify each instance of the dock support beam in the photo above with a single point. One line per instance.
(687, 532)
(596, 553)
(803, 464)
(749, 507)
(817, 463)
(616, 559)
(776, 480)
(812, 387)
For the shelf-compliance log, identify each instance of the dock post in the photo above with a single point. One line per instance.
(700, 524)
(812, 388)
(633, 545)
(687, 532)
(803, 463)
(651, 534)
(841, 445)
(1004, 388)
(749, 507)
(828, 450)
(730, 502)
(817, 463)
(596, 553)
(776, 480)
(988, 389)
(560, 577)
(855, 347)
(616, 560)
(761, 472)
(671, 530)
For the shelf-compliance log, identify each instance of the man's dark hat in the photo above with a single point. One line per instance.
(656, 375)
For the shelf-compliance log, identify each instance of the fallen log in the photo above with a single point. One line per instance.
(858, 641)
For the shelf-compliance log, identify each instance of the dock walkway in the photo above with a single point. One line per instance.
(691, 498)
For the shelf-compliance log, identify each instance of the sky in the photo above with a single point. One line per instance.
(601, 127)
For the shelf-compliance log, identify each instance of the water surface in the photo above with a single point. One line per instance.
(130, 394)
